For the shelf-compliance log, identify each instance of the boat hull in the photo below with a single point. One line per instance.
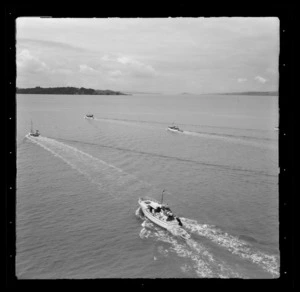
(157, 220)
(173, 226)
(175, 131)
(33, 135)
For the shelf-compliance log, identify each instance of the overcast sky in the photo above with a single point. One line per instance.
(167, 55)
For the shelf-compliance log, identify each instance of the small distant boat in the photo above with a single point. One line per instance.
(32, 133)
(174, 129)
(89, 116)
(276, 128)
(161, 214)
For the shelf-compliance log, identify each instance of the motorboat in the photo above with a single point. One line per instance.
(161, 215)
(32, 133)
(174, 129)
(89, 116)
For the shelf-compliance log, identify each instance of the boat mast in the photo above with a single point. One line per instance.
(162, 196)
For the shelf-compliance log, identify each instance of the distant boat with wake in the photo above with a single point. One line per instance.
(174, 129)
(32, 133)
(89, 116)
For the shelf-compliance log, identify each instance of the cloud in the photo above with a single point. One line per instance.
(107, 58)
(126, 60)
(272, 70)
(133, 53)
(62, 71)
(142, 70)
(86, 69)
(241, 80)
(260, 79)
(129, 66)
(29, 63)
(116, 73)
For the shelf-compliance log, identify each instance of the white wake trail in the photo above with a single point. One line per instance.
(203, 262)
(236, 140)
(95, 169)
(236, 246)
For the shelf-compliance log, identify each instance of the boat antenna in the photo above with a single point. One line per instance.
(162, 196)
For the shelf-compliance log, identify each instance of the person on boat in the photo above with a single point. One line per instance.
(157, 210)
(179, 221)
(150, 208)
(170, 217)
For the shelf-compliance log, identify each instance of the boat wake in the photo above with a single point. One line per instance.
(241, 140)
(200, 258)
(197, 259)
(94, 169)
(236, 246)
(247, 141)
(184, 125)
(219, 166)
(124, 122)
(180, 232)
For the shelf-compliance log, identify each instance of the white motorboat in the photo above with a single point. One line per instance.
(157, 213)
(174, 129)
(32, 133)
(89, 116)
(162, 215)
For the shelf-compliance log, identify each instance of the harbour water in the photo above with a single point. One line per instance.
(78, 186)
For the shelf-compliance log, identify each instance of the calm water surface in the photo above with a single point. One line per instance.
(78, 186)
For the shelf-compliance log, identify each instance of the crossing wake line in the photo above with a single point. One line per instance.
(124, 122)
(94, 169)
(208, 164)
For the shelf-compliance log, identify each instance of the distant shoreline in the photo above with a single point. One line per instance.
(258, 93)
(89, 91)
(68, 91)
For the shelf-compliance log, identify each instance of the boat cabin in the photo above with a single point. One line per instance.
(36, 134)
(174, 128)
(32, 133)
(160, 211)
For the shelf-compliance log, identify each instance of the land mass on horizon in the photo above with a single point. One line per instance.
(261, 93)
(67, 90)
(90, 91)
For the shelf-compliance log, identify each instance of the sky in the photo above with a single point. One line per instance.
(161, 55)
